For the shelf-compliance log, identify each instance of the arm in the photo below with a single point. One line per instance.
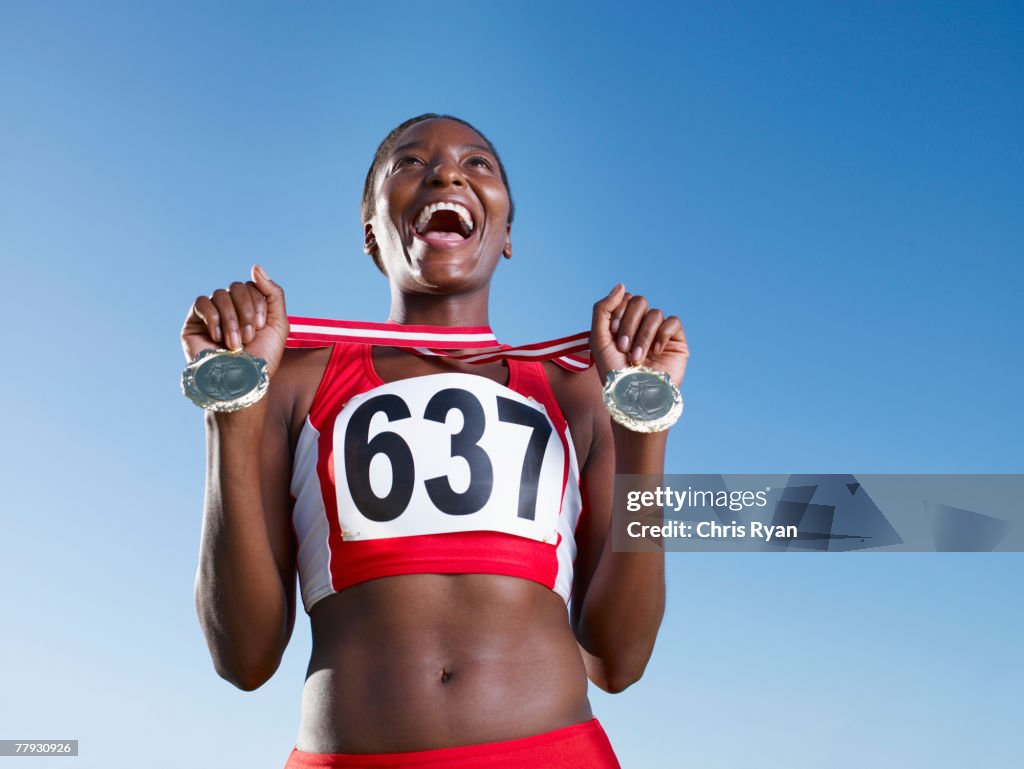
(245, 584)
(619, 597)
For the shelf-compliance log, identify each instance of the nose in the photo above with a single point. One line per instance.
(445, 174)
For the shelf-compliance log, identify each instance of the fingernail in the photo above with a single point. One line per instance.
(638, 353)
(216, 334)
(248, 333)
(657, 348)
(614, 289)
(262, 272)
(615, 325)
(624, 343)
(236, 341)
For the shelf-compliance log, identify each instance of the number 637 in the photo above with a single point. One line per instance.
(360, 450)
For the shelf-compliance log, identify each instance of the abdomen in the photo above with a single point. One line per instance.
(425, 661)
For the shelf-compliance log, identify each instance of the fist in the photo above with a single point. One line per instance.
(626, 331)
(249, 316)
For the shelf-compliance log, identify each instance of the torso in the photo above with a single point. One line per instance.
(423, 661)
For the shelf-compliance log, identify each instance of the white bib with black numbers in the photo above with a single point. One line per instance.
(447, 453)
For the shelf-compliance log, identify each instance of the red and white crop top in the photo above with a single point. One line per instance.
(446, 474)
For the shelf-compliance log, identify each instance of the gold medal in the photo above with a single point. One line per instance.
(642, 399)
(221, 380)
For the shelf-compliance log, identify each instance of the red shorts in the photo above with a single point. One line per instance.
(579, 745)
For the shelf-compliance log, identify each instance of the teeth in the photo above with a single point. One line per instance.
(464, 216)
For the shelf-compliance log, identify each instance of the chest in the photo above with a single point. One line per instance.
(389, 364)
(444, 453)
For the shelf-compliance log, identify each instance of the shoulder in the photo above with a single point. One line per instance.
(301, 363)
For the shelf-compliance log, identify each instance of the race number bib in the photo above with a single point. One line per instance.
(446, 453)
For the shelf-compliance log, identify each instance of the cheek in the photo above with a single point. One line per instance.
(389, 201)
(498, 205)
(386, 222)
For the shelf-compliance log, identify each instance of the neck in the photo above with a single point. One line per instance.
(440, 310)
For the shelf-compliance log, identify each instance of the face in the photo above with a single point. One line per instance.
(441, 219)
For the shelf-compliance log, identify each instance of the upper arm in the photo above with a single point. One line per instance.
(597, 474)
(275, 475)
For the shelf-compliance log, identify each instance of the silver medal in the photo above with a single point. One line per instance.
(221, 380)
(642, 399)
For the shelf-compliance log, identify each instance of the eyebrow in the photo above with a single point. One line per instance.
(414, 145)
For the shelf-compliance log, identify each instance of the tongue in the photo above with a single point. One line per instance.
(440, 236)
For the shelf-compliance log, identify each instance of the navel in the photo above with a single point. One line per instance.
(446, 675)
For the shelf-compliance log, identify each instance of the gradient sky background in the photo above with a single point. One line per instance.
(828, 194)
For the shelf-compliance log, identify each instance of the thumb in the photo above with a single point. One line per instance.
(276, 312)
(601, 324)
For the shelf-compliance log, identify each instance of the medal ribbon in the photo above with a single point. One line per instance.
(476, 344)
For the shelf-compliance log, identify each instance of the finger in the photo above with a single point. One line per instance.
(671, 328)
(244, 311)
(618, 311)
(634, 313)
(203, 309)
(259, 303)
(277, 314)
(228, 319)
(601, 321)
(649, 326)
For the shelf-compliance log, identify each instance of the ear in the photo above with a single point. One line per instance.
(369, 240)
(507, 250)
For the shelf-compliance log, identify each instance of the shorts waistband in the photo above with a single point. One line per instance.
(570, 747)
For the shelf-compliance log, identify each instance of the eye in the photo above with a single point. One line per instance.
(478, 161)
(408, 160)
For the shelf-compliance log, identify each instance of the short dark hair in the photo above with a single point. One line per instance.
(389, 144)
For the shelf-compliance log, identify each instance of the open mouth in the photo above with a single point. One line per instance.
(444, 223)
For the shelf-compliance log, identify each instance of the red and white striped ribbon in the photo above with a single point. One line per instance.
(475, 344)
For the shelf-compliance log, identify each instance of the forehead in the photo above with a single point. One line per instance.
(440, 132)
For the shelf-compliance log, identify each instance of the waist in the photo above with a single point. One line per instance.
(582, 744)
(422, 662)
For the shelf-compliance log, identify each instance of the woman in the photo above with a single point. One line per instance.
(449, 645)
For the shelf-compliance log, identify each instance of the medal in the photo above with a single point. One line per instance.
(221, 380)
(637, 397)
(642, 399)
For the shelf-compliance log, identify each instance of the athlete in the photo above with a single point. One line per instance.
(437, 597)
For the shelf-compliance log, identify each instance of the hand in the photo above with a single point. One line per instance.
(625, 331)
(249, 316)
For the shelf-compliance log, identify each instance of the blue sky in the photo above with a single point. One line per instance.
(827, 194)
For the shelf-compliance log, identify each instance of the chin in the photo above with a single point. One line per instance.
(447, 270)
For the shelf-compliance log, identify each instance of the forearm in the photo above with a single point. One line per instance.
(240, 597)
(625, 601)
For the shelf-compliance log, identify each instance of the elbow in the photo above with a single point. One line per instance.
(620, 683)
(246, 660)
(616, 680)
(615, 675)
(246, 684)
(246, 667)
(248, 678)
